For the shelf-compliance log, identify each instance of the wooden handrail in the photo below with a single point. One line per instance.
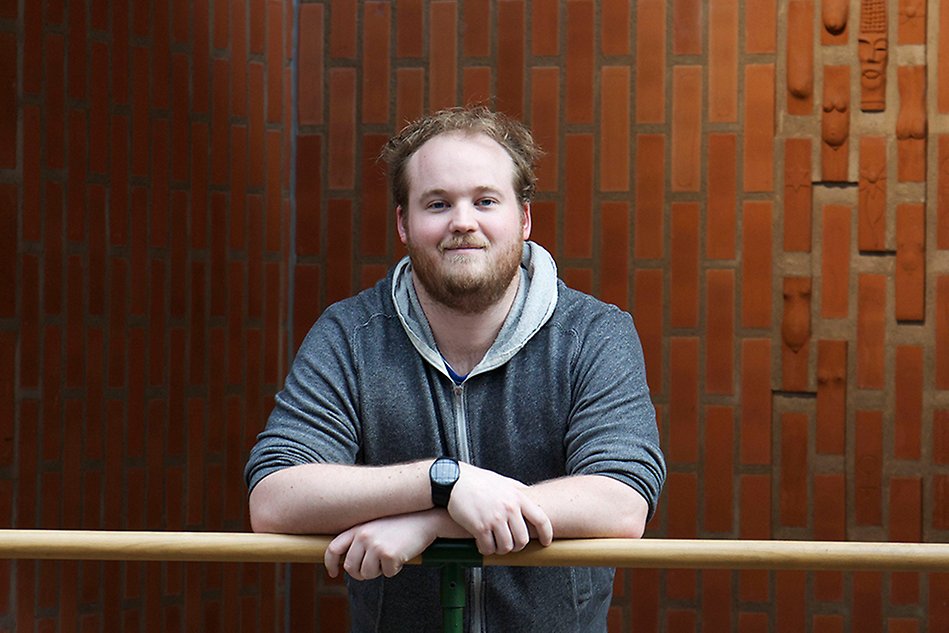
(630, 553)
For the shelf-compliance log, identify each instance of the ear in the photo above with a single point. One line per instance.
(400, 223)
(526, 221)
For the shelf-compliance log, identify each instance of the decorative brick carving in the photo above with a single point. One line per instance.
(910, 273)
(831, 396)
(797, 194)
(912, 28)
(871, 230)
(800, 56)
(795, 333)
(835, 123)
(873, 52)
(911, 124)
(834, 15)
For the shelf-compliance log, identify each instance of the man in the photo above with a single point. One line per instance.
(534, 396)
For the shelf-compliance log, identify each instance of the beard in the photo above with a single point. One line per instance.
(460, 284)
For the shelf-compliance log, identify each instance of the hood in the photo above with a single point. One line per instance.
(534, 304)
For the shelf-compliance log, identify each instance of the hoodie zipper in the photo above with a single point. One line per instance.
(464, 453)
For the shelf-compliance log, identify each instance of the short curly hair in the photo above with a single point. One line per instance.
(512, 135)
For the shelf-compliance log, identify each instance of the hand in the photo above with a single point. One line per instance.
(496, 511)
(381, 546)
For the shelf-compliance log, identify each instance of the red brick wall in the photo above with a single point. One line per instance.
(145, 205)
(792, 298)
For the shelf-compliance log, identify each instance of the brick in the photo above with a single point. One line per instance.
(545, 28)
(911, 124)
(835, 19)
(686, 128)
(274, 58)
(831, 396)
(32, 49)
(683, 400)
(722, 199)
(686, 27)
(8, 101)
(442, 73)
(905, 525)
(835, 262)
(614, 128)
(867, 594)
(614, 27)
(752, 622)
(797, 195)
(720, 330)
(510, 60)
(830, 524)
(941, 352)
(580, 61)
(180, 123)
(868, 468)
(938, 606)
(31, 182)
(138, 252)
(681, 620)
(940, 441)
(835, 124)
(940, 502)
(578, 224)
(376, 214)
(755, 401)
(614, 253)
(29, 322)
(644, 601)
(910, 274)
(942, 189)
(409, 94)
(375, 76)
(579, 278)
(342, 127)
(684, 265)
(310, 65)
(761, 26)
(828, 624)
(871, 331)
(475, 28)
(544, 224)
(794, 470)
(759, 128)
(342, 31)
(408, 28)
(8, 250)
(871, 209)
(796, 333)
(647, 312)
(650, 61)
(790, 601)
(754, 508)
(756, 265)
(7, 395)
(199, 186)
(650, 199)
(912, 23)
(718, 469)
(201, 57)
(54, 100)
(545, 117)
(717, 600)
(339, 251)
(908, 405)
(723, 61)
(476, 84)
(239, 55)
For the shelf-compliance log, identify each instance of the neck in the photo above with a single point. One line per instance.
(463, 338)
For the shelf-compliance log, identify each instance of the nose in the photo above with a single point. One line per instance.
(463, 218)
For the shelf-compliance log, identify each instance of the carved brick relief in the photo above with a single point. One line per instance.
(834, 15)
(800, 61)
(912, 28)
(942, 194)
(835, 123)
(797, 195)
(873, 51)
(795, 333)
(871, 228)
(910, 273)
(911, 124)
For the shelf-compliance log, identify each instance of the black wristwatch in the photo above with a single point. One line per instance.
(443, 474)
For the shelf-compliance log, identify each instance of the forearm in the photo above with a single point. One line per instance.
(591, 506)
(330, 498)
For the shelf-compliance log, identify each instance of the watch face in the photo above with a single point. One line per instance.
(445, 471)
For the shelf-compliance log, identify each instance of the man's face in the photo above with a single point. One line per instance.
(464, 227)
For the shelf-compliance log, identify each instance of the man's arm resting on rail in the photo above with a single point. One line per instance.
(331, 498)
(591, 506)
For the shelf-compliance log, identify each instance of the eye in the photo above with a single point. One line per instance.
(487, 202)
(437, 205)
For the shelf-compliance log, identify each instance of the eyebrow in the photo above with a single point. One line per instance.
(438, 191)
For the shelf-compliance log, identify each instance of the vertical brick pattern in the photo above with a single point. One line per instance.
(148, 310)
(145, 234)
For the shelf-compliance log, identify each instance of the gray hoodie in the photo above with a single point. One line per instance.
(562, 391)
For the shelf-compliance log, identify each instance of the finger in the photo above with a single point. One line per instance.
(520, 532)
(335, 551)
(503, 539)
(536, 516)
(391, 566)
(371, 566)
(353, 562)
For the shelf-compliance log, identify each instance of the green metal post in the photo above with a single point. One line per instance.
(452, 556)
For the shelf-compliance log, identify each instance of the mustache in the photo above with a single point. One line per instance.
(462, 243)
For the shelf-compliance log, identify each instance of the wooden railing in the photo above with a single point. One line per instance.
(643, 553)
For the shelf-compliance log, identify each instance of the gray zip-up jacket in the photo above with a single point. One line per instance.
(562, 391)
